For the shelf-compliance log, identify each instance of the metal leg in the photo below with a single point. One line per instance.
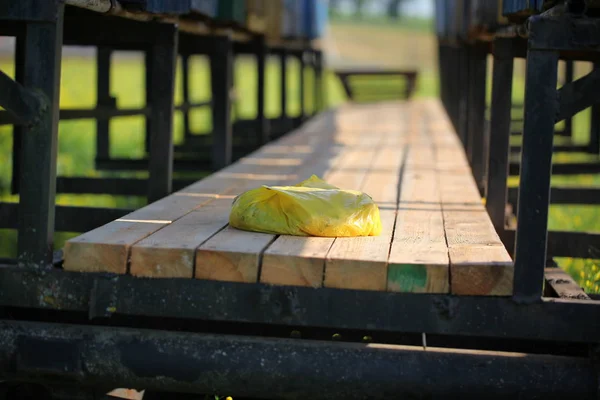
(463, 96)
(148, 65)
(319, 100)
(221, 65)
(103, 99)
(568, 79)
(164, 61)
(302, 70)
(43, 47)
(500, 132)
(261, 60)
(536, 168)
(17, 129)
(284, 114)
(476, 110)
(185, 69)
(594, 144)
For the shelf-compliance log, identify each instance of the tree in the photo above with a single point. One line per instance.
(393, 8)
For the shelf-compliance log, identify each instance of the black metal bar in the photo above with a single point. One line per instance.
(198, 164)
(319, 100)
(567, 148)
(221, 65)
(302, 60)
(100, 112)
(261, 60)
(565, 195)
(369, 311)
(536, 166)
(30, 11)
(569, 75)
(283, 82)
(68, 218)
(566, 244)
(104, 99)
(43, 46)
(185, 82)
(282, 368)
(114, 186)
(18, 130)
(594, 143)
(462, 97)
(164, 62)
(23, 104)
(476, 112)
(499, 132)
(148, 77)
(564, 33)
(579, 95)
(591, 167)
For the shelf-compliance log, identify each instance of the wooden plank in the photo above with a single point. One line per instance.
(481, 270)
(563, 285)
(296, 261)
(361, 263)
(209, 246)
(418, 260)
(107, 248)
(235, 256)
(169, 252)
(479, 263)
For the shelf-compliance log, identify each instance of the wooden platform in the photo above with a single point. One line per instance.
(436, 238)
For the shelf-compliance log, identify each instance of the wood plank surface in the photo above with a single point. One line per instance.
(107, 248)
(361, 263)
(206, 241)
(436, 236)
(299, 261)
(479, 263)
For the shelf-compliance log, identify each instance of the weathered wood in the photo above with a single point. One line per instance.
(436, 237)
(479, 263)
(563, 285)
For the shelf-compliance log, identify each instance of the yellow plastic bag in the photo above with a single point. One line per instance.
(310, 208)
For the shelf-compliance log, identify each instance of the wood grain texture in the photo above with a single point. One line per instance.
(479, 263)
(108, 248)
(169, 252)
(300, 261)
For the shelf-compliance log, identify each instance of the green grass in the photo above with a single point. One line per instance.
(405, 45)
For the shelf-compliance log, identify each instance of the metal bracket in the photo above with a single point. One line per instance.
(103, 297)
(25, 105)
(578, 95)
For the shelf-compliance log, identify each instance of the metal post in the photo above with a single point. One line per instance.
(164, 62)
(476, 110)
(18, 129)
(536, 168)
(148, 65)
(594, 144)
(185, 81)
(319, 94)
(463, 92)
(221, 65)
(42, 47)
(103, 100)
(500, 132)
(302, 56)
(284, 115)
(261, 60)
(568, 131)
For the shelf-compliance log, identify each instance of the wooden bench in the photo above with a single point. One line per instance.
(358, 83)
(436, 238)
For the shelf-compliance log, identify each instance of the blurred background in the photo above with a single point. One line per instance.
(368, 33)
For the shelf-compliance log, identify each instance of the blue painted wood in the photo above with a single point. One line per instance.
(315, 18)
(521, 6)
